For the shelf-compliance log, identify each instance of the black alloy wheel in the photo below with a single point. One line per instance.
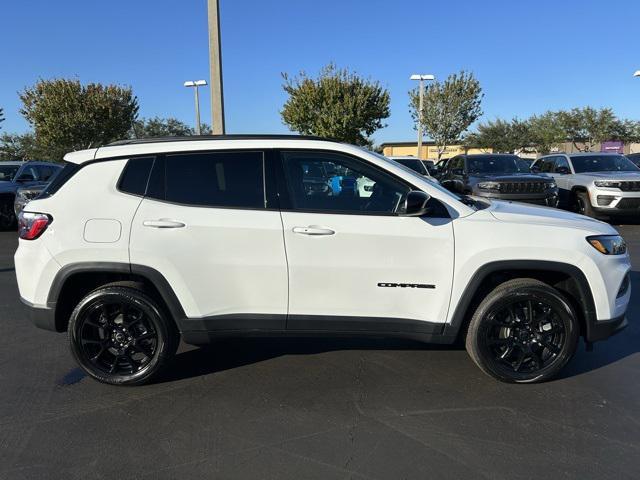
(119, 335)
(523, 331)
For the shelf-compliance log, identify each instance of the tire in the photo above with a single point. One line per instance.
(121, 336)
(583, 204)
(524, 331)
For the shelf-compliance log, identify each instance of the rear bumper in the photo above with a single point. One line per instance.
(41, 316)
(603, 329)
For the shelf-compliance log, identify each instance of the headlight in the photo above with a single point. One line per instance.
(608, 244)
(552, 185)
(489, 186)
(607, 183)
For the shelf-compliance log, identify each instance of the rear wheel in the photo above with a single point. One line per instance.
(524, 331)
(120, 336)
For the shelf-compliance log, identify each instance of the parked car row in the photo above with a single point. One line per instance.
(19, 183)
(593, 184)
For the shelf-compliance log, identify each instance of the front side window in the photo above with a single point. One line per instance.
(7, 172)
(330, 182)
(216, 179)
(603, 163)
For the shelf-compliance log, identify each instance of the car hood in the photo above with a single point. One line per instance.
(512, 177)
(6, 186)
(630, 176)
(532, 214)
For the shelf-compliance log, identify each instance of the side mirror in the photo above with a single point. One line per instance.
(562, 170)
(416, 203)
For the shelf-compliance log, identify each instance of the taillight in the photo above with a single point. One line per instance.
(32, 225)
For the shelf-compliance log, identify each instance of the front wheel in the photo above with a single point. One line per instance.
(583, 204)
(524, 331)
(120, 336)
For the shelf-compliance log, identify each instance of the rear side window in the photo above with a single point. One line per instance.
(135, 175)
(216, 179)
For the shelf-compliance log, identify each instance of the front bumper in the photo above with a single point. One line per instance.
(614, 201)
(544, 199)
(603, 329)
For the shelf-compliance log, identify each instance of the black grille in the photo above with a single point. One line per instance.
(523, 187)
(629, 203)
(630, 186)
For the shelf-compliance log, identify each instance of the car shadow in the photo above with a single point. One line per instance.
(233, 353)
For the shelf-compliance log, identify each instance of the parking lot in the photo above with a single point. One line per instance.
(314, 408)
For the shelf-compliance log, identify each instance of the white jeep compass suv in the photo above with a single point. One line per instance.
(140, 243)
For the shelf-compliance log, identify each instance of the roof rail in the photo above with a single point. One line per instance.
(235, 136)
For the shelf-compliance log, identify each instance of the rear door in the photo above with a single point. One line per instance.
(356, 264)
(209, 227)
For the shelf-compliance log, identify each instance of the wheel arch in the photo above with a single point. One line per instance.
(76, 280)
(567, 278)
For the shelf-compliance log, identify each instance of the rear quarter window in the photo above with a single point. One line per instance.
(135, 176)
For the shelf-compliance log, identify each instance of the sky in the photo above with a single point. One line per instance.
(529, 55)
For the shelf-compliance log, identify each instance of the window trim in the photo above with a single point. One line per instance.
(284, 196)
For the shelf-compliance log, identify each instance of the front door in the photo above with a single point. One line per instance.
(207, 227)
(356, 264)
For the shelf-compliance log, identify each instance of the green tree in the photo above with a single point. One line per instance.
(449, 108)
(21, 147)
(546, 132)
(338, 104)
(67, 115)
(160, 127)
(585, 127)
(502, 136)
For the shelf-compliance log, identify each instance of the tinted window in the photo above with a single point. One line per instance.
(136, 175)
(337, 183)
(603, 163)
(217, 179)
(7, 172)
(496, 164)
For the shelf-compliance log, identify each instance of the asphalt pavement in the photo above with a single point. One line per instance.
(314, 408)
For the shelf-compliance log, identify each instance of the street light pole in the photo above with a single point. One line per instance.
(195, 85)
(215, 69)
(421, 79)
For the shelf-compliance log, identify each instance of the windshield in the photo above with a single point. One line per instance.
(7, 172)
(502, 164)
(603, 163)
(414, 164)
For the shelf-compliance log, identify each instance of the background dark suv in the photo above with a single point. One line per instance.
(499, 176)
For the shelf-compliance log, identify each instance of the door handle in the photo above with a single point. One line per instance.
(163, 223)
(313, 230)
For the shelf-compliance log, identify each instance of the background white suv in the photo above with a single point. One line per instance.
(594, 183)
(139, 243)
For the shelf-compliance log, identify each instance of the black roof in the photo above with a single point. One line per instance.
(235, 136)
